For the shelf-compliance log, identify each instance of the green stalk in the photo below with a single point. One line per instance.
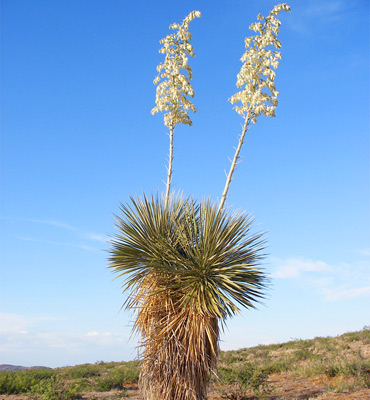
(169, 169)
(234, 163)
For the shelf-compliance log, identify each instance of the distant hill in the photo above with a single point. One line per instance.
(8, 367)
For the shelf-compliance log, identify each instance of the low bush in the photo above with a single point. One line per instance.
(113, 380)
(247, 377)
(22, 381)
(82, 371)
(55, 388)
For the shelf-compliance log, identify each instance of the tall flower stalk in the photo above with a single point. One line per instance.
(256, 79)
(173, 83)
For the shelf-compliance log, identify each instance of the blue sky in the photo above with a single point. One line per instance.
(78, 138)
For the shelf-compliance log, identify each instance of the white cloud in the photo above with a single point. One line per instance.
(294, 267)
(88, 235)
(333, 282)
(62, 225)
(328, 10)
(11, 323)
(58, 243)
(333, 294)
(311, 14)
(51, 222)
(25, 341)
(14, 323)
(96, 237)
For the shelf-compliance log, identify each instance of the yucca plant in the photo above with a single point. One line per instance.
(188, 266)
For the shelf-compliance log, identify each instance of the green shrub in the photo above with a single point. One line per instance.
(277, 366)
(331, 370)
(303, 354)
(84, 384)
(113, 380)
(131, 373)
(55, 388)
(227, 375)
(82, 371)
(17, 382)
(244, 378)
(7, 383)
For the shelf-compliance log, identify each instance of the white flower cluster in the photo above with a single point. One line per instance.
(256, 77)
(175, 74)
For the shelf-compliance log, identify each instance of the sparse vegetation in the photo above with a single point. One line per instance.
(70, 382)
(343, 363)
(23, 381)
(346, 358)
(55, 388)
